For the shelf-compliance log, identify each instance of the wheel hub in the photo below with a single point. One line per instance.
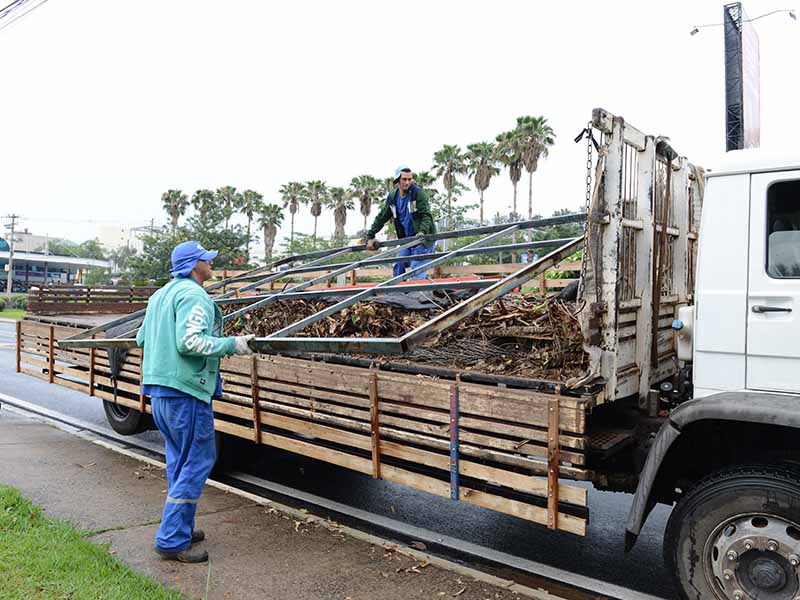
(755, 557)
(766, 574)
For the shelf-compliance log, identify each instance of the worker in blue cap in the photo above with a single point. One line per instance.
(409, 209)
(181, 337)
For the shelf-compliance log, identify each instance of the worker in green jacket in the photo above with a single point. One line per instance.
(408, 208)
(181, 337)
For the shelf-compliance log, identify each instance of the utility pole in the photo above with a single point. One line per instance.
(10, 279)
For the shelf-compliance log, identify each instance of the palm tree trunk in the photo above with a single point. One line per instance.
(174, 221)
(291, 232)
(247, 248)
(267, 251)
(514, 238)
(481, 191)
(365, 226)
(315, 230)
(530, 203)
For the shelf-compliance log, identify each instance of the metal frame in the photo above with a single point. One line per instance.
(282, 341)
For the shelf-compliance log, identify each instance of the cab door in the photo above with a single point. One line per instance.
(773, 295)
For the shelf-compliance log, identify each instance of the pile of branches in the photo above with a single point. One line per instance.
(364, 319)
(518, 335)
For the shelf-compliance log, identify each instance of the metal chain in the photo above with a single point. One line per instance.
(585, 257)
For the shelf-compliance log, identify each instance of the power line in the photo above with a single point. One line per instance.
(10, 7)
(15, 19)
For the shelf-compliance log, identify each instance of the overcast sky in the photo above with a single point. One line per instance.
(106, 104)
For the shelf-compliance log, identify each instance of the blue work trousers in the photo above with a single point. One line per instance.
(401, 266)
(187, 425)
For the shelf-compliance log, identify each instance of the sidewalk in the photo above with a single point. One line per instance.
(257, 552)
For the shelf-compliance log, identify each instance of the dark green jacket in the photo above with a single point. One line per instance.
(420, 214)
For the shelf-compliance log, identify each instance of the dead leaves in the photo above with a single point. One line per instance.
(517, 335)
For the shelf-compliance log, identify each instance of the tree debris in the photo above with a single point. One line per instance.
(522, 335)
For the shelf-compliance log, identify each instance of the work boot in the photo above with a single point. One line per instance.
(198, 535)
(185, 556)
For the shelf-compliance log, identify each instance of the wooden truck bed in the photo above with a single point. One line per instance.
(495, 447)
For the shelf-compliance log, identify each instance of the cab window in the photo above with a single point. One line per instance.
(783, 230)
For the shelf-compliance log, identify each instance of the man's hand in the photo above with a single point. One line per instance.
(242, 346)
(372, 245)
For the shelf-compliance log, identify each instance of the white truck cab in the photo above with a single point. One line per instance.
(747, 311)
(729, 457)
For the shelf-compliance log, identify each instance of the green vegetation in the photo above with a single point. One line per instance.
(14, 314)
(46, 559)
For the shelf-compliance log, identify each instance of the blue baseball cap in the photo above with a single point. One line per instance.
(401, 169)
(185, 257)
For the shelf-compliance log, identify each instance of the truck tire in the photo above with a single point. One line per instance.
(125, 420)
(736, 534)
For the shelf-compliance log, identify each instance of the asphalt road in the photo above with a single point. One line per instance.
(599, 555)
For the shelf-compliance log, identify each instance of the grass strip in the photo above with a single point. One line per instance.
(48, 559)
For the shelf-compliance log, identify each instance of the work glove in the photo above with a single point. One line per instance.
(241, 344)
(372, 245)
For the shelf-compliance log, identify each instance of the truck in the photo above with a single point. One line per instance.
(688, 395)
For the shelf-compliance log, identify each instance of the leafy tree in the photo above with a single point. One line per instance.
(482, 166)
(97, 276)
(92, 249)
(250, 204)
(229, 200)
(535, 137)
(175, 204)
(231, 241)
(367, 189)
(449, 162)
(155, 261)
(303, 243)
(120, 257)
(270, 218)
(442, 206)
(340, 201)
(314, 193)
(61, 247)
(291, 194)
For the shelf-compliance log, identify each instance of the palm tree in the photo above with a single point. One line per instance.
(482, 166)
(250, 203)
(315, 194)
(536, 137)
(203, 200)
(270, 217)
(228, 200)
(367, 189)
(175, 202)
(449, 162)
(509, 152)
(290, 194)
(340, 200)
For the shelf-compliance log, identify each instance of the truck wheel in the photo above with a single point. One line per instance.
(736, 536)
(125, 420)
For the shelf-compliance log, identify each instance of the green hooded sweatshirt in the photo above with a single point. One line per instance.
(181, 339)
